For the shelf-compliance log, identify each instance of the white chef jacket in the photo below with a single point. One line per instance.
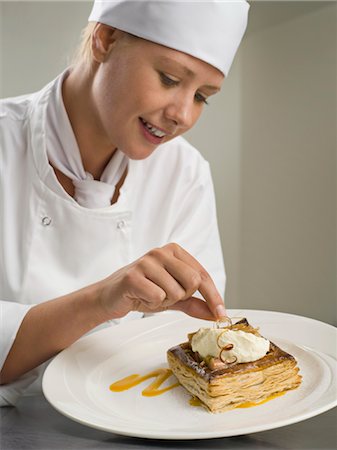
(51, 246)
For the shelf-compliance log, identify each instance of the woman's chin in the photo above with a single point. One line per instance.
(138, 154)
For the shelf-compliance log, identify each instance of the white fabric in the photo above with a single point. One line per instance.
(64, 155)
(51, 245)
(11, 316)
(209, 30)
(10, 323)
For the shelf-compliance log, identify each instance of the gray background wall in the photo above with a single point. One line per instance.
(270, 137)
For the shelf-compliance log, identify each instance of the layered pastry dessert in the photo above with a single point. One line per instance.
(228, 367)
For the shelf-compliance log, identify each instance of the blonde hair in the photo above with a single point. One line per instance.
(83, 53)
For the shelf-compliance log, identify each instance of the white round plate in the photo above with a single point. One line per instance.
(77, 381)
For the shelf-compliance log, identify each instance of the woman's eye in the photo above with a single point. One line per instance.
(200, 98)
(167, 81)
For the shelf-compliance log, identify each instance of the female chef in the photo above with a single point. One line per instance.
(106, 211)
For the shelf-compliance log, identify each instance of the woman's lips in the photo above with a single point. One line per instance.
(149, 136)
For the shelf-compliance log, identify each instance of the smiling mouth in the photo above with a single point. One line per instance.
(153, 130)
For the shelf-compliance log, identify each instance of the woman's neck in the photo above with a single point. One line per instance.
(95, 151)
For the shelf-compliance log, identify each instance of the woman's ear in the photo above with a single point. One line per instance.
(103, 39)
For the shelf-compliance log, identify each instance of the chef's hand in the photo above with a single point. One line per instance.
(164, 278)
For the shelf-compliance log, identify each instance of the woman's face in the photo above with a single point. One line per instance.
(145, 94)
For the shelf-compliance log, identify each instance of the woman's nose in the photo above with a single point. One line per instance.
(180, 111)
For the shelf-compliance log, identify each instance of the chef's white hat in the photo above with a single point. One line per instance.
(210, 30)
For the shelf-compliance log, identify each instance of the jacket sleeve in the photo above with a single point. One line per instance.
(196, 227)
(11, 317)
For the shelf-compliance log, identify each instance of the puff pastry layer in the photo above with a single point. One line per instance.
(231, 385)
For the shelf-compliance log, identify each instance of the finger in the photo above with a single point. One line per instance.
(162, 278)
(187, 277)
(194, 307)
(147, 293)
(206, 287)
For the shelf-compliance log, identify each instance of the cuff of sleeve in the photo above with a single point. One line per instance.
(11, 317)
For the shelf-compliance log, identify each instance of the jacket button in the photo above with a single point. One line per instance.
(120, 224)
(46, 221)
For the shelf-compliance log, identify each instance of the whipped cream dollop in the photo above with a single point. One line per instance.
(242, 346)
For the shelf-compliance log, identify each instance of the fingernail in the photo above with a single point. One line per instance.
(220, 311)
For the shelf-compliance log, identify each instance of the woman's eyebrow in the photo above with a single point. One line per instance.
(178, 65)
(186, 70)
(212, 88)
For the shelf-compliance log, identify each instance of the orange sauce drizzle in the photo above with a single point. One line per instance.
(271, 397)
(194, 401)
(160, 376)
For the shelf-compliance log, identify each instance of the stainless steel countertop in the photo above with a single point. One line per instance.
(34, 424)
